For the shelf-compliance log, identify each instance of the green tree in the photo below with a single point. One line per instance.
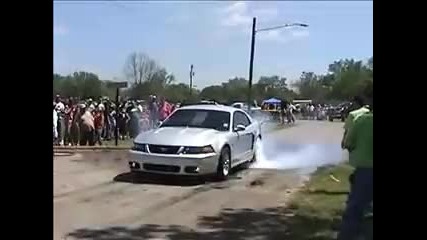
(345, 78)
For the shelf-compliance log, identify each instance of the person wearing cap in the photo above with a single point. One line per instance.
(359, 142)
(360, 108)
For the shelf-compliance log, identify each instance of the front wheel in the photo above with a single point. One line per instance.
(224, 165)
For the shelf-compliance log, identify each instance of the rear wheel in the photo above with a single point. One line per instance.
(330, 119)
(224, 164)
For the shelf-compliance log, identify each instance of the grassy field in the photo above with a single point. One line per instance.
(317, 208)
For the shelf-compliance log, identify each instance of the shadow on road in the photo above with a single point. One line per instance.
(236, 224)
(174, 180)
(158, 179)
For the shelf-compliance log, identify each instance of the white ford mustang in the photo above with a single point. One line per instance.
(198, 140)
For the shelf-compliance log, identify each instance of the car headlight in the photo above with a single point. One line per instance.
(139, 147)
(198, 150)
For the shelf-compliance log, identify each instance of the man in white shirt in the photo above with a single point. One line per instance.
(60, 109)
(87, 128)
(311, 111)
(55, 124)
(291, 109)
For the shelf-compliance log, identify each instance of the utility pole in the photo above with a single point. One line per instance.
(251, 64)
(191, 79)
(251, 61)
(117, 85)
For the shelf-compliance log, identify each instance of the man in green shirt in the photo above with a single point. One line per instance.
(359, 142)
(360, 108)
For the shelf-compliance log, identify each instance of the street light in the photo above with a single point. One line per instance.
(251, 61)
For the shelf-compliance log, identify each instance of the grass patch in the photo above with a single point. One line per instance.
(317, 208)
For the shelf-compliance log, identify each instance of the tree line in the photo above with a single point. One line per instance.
(345, 78)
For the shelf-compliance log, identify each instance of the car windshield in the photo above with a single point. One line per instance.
(342, 104)
(199, 118)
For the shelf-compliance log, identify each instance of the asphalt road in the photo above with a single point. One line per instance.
(96, 198)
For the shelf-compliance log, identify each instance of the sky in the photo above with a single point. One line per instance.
(213, 36)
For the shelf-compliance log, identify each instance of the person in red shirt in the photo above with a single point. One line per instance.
(165, 109)
(99, 124)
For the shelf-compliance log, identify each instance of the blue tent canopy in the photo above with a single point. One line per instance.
(272, 101)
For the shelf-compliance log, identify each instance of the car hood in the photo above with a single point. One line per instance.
(179, 136)
(335, 108)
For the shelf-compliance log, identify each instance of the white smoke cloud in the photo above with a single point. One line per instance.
(303, 157)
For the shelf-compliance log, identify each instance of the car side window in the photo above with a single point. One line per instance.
(240, 118)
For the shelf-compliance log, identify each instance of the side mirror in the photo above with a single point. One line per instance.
(239, 128)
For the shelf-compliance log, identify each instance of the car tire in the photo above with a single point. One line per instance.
(256, 149)
(342, 119)
(224, 165)
(330, 119)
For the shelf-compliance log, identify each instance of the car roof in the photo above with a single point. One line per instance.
(213, 107)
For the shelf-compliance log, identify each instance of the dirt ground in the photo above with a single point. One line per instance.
(96, 198)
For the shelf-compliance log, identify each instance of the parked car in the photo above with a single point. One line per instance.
(339, 112)
(198, 140)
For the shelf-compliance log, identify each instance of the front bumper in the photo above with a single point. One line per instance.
(201, 164)
(334, 115)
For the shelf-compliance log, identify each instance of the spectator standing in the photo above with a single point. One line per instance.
(165, 109)
(290, 113)
(122, 120)
(68, 115)
(134, 117)
(55, 124)
(99, 124)
(312, 112)
(360, 108)
(75, 126)
(87, 128)
(359, 142)
(282, 110)
(107, 122)
(154, 111)
(145, 120)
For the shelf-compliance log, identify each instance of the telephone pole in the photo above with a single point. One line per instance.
(251, 60)
(251, 64)
(191, 79)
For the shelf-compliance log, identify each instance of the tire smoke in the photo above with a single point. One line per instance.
(306, 158)
(274, 153)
